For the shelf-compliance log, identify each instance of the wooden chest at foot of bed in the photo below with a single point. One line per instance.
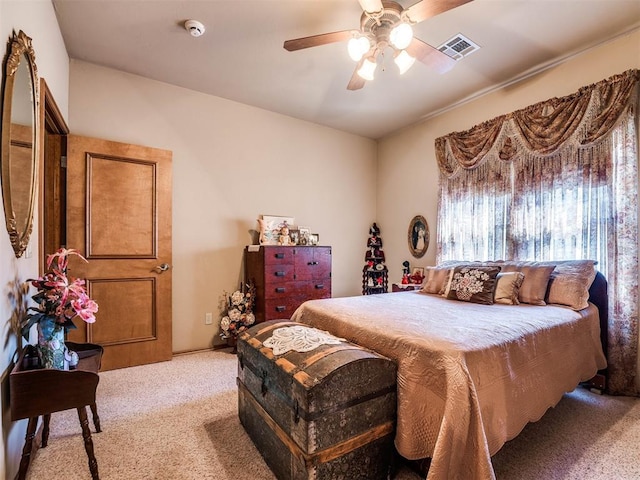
(328, 413)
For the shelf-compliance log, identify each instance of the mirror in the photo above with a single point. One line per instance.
(20, 140)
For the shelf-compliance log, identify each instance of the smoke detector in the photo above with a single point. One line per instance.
(194, 27)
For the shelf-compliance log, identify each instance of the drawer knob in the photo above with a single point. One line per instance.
(312, 263)
(279, 255)
(320, 286)
(280, 309)
(279, 289)
(280, 274)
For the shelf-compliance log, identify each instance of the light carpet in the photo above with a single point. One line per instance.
(178, 420)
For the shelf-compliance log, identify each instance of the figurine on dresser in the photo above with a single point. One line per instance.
(405, 272)
(284, 238)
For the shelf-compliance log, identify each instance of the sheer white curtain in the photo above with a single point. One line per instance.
(474, 214)
(534, 209)
(519, 198)
(561, 208)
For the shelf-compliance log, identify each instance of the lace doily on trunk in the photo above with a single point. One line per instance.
(299, 338)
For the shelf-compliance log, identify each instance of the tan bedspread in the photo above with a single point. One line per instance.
(470, 377)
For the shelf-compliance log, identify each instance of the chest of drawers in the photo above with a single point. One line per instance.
(285, 277)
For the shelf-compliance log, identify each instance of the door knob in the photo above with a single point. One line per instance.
(162, 268)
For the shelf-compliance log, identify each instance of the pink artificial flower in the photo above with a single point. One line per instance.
(85, 308)
(77, 286)
(63, 258)
(60, 284)
(60, 296)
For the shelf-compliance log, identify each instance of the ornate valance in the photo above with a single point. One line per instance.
(543, 129)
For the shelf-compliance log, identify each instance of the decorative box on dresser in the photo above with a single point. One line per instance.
(286, 276)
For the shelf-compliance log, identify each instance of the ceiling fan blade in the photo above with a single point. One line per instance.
(356, 82)
(371, 6)
(317, 40)
(430, 8)
(430, 56)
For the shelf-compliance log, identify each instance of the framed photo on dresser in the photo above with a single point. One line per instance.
(271, 226)
(305, 234)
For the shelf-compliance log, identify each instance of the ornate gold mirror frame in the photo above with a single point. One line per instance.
(20, 140)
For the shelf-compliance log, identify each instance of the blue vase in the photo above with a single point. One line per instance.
(51, 346)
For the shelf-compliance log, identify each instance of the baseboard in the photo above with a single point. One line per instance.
(189, 352)
(222, 346)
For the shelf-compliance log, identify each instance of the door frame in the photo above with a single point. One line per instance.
(51, 182)
(52, 192)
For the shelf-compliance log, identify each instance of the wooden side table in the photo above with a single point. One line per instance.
(405, 287)
(44, 391)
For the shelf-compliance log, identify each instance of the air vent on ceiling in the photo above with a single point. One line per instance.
(458, 46)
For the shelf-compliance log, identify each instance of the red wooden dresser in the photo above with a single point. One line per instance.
(285, 277)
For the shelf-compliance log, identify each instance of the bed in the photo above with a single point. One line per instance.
(470, 376)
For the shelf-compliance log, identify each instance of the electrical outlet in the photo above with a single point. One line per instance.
(208, 318)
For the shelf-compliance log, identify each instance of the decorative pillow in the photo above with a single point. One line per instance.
(534, 286)
(472, 284)
(436, 280)
(508, 287)
(569, 283)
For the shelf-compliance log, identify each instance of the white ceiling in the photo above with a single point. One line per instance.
(241, 58)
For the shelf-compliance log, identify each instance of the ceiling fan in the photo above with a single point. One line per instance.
(386, 24)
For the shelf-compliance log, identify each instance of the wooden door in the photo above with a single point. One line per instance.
(119, 218)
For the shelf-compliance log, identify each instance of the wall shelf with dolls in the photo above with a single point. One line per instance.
(374, 273)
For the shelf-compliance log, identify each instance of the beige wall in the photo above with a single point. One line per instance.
(407, 168)
(37, 19)
(231, 163)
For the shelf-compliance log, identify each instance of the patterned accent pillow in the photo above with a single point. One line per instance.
(436, 280)
(472, 284)
(508, 288)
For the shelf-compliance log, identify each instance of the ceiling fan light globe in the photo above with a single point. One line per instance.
(354, 50)
(404, 61)
(367, 69)
(357, 47)
(371, 6)
(401, 36)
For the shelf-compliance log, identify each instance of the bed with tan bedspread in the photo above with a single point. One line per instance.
(470, 376)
